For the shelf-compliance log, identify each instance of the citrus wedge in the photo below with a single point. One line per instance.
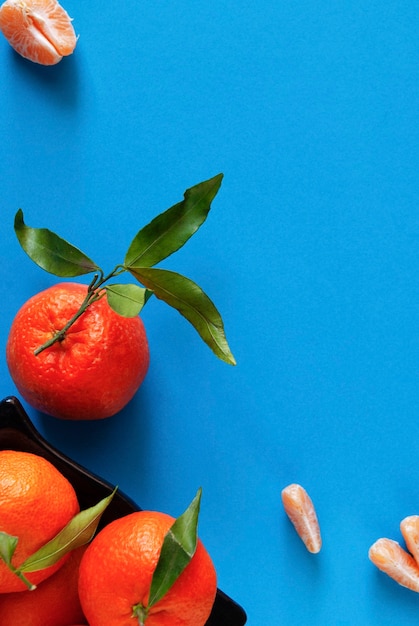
(391, 559)
(300, 510)
(39, 30)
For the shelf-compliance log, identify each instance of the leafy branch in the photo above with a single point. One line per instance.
(153, 243)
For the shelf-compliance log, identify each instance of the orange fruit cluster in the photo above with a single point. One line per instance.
(99, 584)
(91, 371)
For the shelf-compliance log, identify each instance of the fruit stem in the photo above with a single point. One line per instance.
(21, 576)
(94, 293)
(140, 612)
(60, 334)
(27, 582)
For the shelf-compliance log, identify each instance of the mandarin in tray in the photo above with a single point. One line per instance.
(36, 502)
(116, 573)
(55, 601)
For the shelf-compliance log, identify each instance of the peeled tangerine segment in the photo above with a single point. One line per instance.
(410, 531)
(300, 509)
(39, 30)
(390, 558)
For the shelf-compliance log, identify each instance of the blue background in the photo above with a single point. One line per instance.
(310, 252)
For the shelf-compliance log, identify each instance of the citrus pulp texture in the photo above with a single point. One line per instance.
(393, 560)
(36, 502)
(300, 510)
(93, 373)
(39, 30)
(409, 527)
(55, 602)
(116, 571)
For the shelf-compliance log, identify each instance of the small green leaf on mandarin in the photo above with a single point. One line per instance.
(170, 230)
(8, 545)
(127, 300)
(79, 531)
(52, 253)
(178, 548)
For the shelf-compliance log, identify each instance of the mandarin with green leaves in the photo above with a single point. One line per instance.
(117, 570)
(81, 352)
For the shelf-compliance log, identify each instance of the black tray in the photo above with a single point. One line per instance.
(18, 433)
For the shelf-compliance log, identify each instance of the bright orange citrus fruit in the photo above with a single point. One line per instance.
(36, 502)
(55, 602)
(117, 568)
(93, 373)
(39, 30)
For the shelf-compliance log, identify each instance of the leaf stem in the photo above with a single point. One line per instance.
(27, 582)
(21, 576)
(60, 334)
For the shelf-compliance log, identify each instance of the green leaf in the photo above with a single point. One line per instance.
(50, 252)
(184, 295)
(127, 300)
(8, 545)
(76, 533)
(178, 548)
(170, 230)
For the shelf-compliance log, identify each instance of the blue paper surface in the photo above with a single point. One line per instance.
(310, 253)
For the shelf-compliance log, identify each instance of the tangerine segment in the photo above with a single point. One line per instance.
(39, 30)
(409, 527)
(300, 509)
(390, 558)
